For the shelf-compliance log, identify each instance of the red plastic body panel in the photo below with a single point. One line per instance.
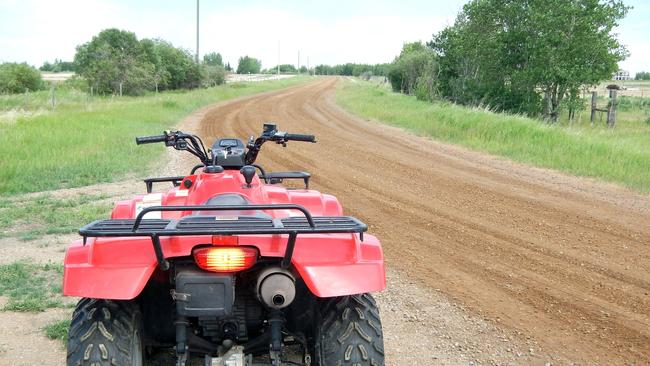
(330, 264)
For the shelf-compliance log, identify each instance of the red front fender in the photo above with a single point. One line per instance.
(119, 268)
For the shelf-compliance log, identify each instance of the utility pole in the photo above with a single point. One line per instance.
(278, 57)
(197, 31)
(298, 61)
(308, 70)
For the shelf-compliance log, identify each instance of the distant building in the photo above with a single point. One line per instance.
(56, 76)
(622, 75)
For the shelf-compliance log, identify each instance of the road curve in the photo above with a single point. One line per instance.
(561, 259)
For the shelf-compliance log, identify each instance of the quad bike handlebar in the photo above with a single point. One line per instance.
(150, 139)
(271, 133)
(193, 144)
(179, 141)
(299, 137)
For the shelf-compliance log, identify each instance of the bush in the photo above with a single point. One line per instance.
(17, 78)
(414, 71)
(213, 75)
(76, 83)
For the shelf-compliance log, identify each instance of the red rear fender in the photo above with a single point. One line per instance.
(119, 268)
(108, 269)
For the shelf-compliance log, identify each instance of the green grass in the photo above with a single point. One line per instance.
(85, 141)
(618, 155)
(57, 330)
(31, 287)
(30, 218)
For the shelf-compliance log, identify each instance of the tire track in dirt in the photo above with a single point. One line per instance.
(563, 260)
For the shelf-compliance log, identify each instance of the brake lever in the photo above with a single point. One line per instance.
(279, 138)
(170, 140)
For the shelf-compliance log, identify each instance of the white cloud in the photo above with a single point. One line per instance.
(361, 39)
(639, 59)
(36, 31)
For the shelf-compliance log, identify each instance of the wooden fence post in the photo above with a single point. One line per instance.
(611, 110)
(53, 96)
(594, 98)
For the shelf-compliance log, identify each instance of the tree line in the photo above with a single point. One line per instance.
(58, 66)
(286, 69)
(522, 56)
(351, 69)
(117, 62)
(642, 75)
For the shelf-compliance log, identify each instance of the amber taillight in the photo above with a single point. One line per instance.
(225, 259)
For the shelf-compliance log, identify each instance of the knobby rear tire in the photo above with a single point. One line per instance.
(349, 332)
(105, 333)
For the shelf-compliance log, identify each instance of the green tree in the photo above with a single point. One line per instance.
(114, 60)
(19, 77)
(249, 65)
(47, 66)
(503, 53)
(213, 59)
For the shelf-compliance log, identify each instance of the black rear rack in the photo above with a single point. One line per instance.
(223, 225)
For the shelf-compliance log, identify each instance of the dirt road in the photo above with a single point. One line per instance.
(560, 260)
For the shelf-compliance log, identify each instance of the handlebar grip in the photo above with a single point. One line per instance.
(150, 139)
(299, 137)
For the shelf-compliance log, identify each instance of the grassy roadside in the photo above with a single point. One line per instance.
(85, 141)
(619, 155)
(58, 330)
(31, 218)
(31, 287)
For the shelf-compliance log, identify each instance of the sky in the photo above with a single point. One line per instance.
(323, 32)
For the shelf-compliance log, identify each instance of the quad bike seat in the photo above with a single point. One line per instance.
(231, 199)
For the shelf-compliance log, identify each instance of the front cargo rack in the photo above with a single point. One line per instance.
(227, 225)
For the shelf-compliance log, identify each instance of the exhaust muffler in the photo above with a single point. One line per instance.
(276, 287)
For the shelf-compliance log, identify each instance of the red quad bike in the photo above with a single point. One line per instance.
(228, 268)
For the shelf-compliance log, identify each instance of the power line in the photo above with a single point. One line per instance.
(197, 31)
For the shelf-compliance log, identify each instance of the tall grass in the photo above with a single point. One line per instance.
(619, 155)
(86, 141)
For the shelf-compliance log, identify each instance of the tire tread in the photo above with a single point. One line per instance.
(350, 332)
(101, 332)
